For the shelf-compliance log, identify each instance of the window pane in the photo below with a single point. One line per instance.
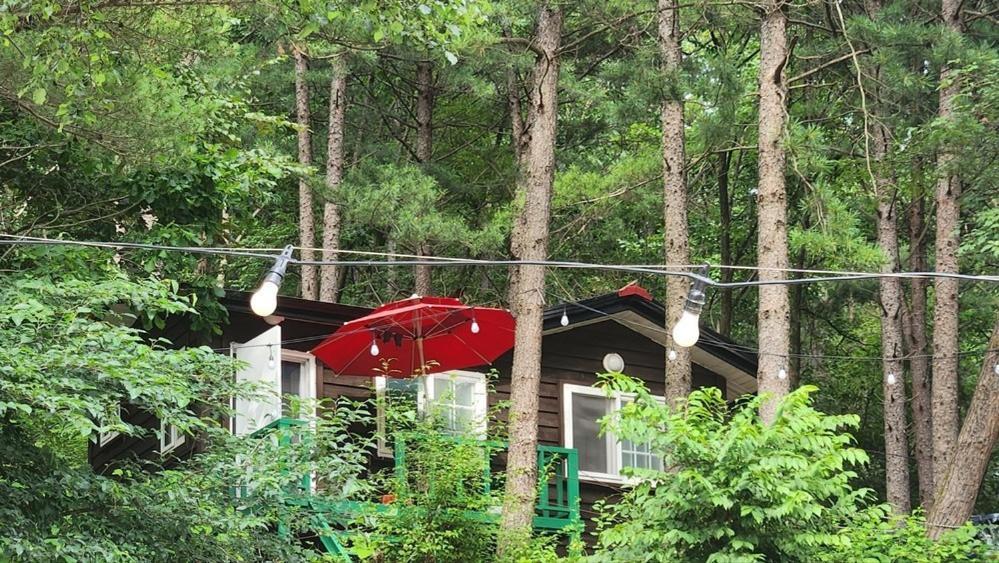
(442, 390)
(291, 384)
(464, 393)
(586, 409)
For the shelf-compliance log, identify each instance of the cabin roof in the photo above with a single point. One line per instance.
(634, 307)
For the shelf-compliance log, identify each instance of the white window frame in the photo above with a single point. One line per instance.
(170, 438)
(309, 381)
(425, 397)
(105, 438)
(615, 457)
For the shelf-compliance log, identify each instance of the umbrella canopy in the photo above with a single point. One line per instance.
(417, 336)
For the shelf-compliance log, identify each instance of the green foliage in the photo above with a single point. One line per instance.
(734, 489)
(444, 506)
(875, 537)
(68, 359)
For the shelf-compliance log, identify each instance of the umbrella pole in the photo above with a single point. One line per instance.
(423, 361)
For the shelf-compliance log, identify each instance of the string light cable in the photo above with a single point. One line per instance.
(684, 270)
(685, 334)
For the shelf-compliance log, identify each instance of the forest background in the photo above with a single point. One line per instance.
(420, 129)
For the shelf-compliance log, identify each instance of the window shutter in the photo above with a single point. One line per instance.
(263, 358)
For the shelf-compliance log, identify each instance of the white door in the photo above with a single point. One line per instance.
(263, 358)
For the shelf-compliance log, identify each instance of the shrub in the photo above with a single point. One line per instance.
(875, 537)
(735, 489)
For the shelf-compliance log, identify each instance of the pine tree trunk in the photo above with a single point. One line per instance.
(893, 312)
(945, 322)
(528, 304)
(424, 153)
(919, 364)
(306, 220)
(774, 308)
(725, 242)
(960, 482)
(892, 352)
(329, 278)
(675, 239)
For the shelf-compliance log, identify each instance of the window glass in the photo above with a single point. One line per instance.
(637, 455)
(586, 410)
(464, 393)
(291, 384)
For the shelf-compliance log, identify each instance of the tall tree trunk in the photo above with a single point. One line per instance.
(877, 148)
(774, 310)
(528, 303)
(960, 482)
(945, 321)
(725, 241)
(675, 239)
(424, 153)
(919, 364)
(329, 278)
(306, 220)
(892, 313)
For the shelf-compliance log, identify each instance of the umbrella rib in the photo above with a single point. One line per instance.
(354, 359)
(472, 348)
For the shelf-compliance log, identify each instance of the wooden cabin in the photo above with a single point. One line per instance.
(623, 330)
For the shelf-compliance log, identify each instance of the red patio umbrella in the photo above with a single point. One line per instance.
(417, 336)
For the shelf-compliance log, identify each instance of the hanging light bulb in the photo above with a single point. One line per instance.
(270, 360)
(264, 300)
(671, 355)
(564, 321)
(475, 326)
(782, 374)
(687, 329)
(374, 347)
(891, 379)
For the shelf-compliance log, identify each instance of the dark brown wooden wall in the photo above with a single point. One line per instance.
(573, 356)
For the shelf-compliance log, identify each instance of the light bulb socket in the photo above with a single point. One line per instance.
(276, 274)
(695, 296)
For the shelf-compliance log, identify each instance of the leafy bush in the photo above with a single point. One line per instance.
(875, 537)
(735, 489)
(445, 505)
(63, 369)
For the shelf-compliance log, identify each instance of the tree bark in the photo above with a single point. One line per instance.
(329, 278)
(528, 303)
(960, 483)
(675, 239)
(877, 148)
(424, 153)
(945, 322)
(774, 309)
(725, 242)
(306, 220)
(919, 365)
(892, 312)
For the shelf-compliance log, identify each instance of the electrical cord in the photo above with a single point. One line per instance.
(667, 270)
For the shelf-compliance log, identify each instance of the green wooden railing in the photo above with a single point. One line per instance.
(557, 507)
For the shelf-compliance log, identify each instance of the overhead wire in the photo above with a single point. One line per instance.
(739, 348)
(264, 253)
(659, 270)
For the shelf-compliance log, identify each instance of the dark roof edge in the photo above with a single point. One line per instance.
(711, 341)
(298, 309)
